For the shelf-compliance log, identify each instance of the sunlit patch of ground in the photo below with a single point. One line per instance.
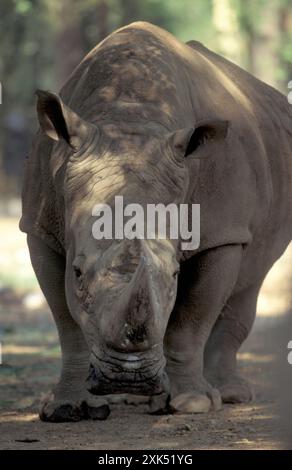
(276, 293)
(15, 266)
(256, 358)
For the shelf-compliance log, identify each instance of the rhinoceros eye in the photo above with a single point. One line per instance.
(77, 272)
(78, 281)
(176, 273)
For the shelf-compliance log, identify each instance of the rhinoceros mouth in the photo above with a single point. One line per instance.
(127, 374)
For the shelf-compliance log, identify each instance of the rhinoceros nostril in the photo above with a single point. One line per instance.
(136, 334)
(91, 373)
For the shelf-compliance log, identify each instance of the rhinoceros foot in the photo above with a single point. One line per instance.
(196, 402)
(235, 390)
(57, 410)
(200, 399)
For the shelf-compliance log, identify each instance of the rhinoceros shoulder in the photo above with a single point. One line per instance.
(42, 214)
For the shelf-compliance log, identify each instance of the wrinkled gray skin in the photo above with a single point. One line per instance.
(154, 120)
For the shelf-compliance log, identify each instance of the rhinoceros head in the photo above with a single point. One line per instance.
(121, 291)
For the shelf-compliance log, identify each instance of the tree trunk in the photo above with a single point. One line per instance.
(69, 49)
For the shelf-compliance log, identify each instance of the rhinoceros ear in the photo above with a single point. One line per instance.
(187, 141)
(58, 121)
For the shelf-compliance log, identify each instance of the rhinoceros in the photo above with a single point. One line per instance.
(157, 121)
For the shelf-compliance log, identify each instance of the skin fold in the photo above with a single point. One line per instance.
(154, 120)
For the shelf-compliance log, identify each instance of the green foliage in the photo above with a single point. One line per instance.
(26, 50)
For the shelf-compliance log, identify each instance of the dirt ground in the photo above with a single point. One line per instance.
(31, 363)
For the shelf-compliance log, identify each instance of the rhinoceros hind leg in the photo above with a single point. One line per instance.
(237, 390)
(228, 334)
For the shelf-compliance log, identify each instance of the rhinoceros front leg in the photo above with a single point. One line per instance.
(205, 284)
(69, 401)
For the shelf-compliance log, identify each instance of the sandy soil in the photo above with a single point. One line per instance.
(31, 363)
